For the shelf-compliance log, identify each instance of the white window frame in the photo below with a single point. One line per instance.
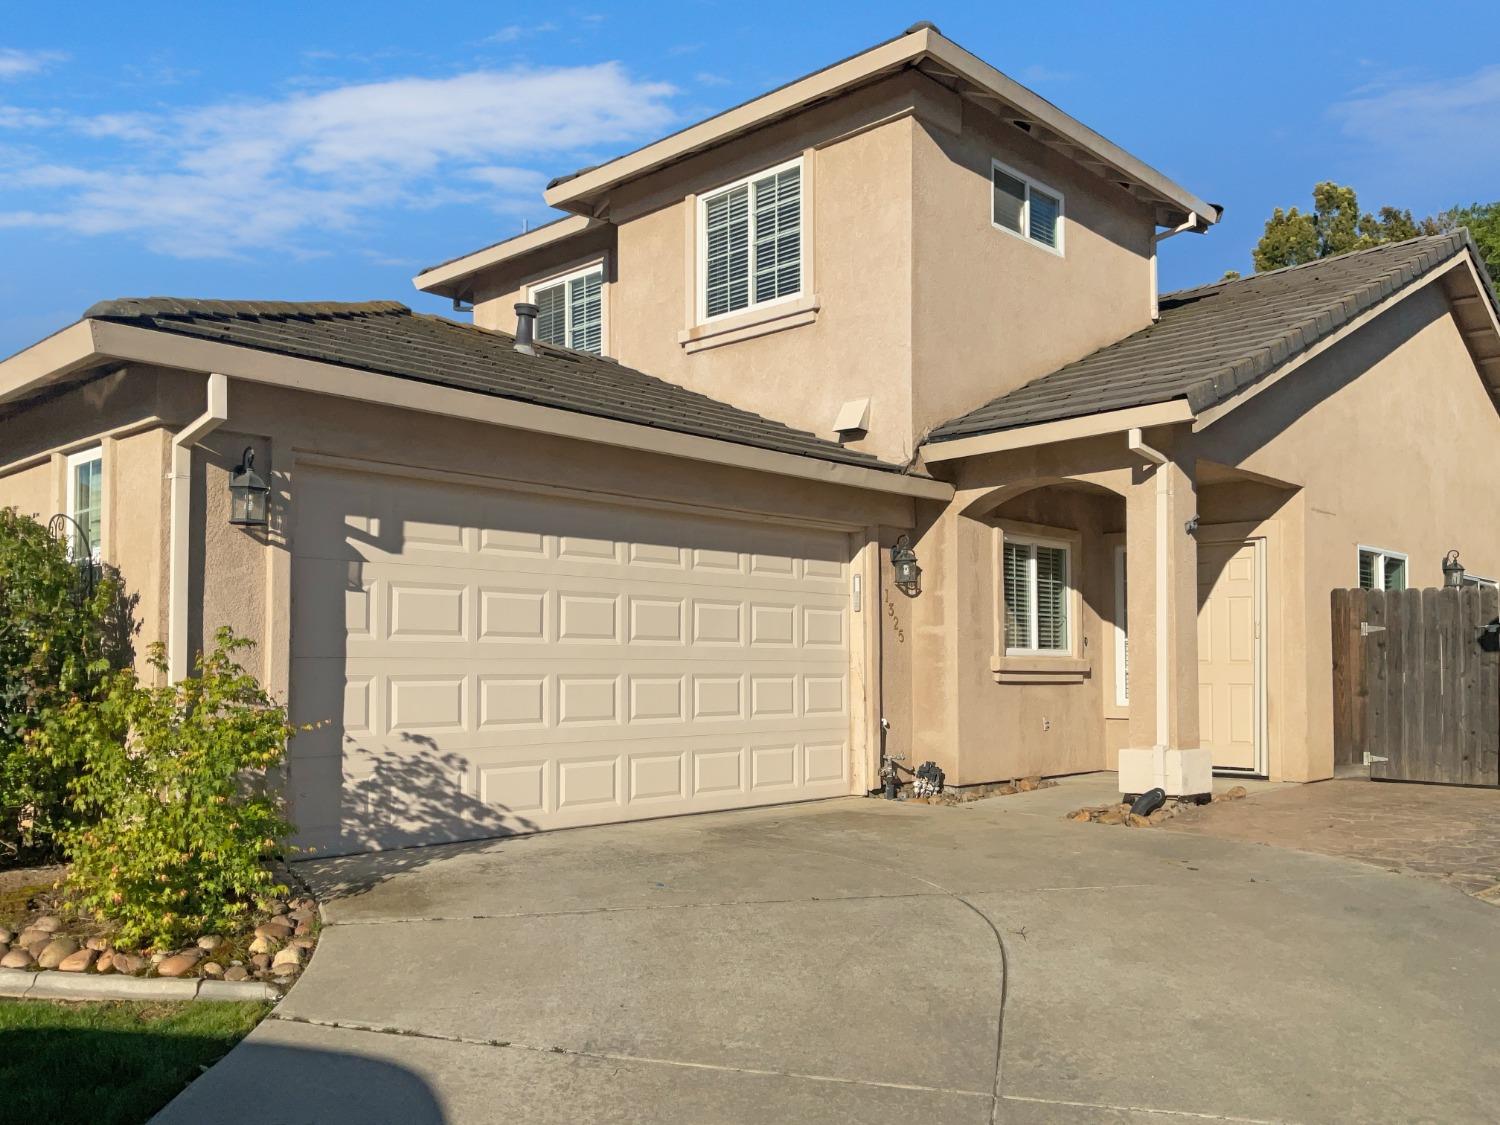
(1476, 580)
(84, 457)
(1024, 234)
(700, 298)
(1070, 595)
(1122, 631)
(1381, 555)
(598, 265)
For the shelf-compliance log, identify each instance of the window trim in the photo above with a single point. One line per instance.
(1025, 233)
(1381, 554)
(572, 273)
(700, 256)
(70, 506)
(1070, 596)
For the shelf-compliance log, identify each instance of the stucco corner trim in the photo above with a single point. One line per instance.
(756, 322)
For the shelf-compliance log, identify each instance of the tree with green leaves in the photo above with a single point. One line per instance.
(1336, 225)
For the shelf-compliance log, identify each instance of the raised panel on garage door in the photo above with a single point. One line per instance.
(488, 662)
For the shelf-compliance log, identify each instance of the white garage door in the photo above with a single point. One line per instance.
(489, 661)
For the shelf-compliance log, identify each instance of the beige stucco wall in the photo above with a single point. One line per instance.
(1392, 438)
(118, 413)
(923, 305)
(992, 311)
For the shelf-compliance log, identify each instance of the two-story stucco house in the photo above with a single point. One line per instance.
(622, 547)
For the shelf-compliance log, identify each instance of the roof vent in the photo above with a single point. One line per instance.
(526, 327)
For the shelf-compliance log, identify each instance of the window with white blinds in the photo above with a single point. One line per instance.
(570, 310)
(1381, 570)
(1026, 208)
(751, 238)
(1036, 576)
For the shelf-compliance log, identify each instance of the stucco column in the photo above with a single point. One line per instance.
(1162, 590)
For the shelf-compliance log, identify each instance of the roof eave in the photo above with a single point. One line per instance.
(49, 361)
(93, 341)
(1171, 412)
(447, 279)
(942, 57)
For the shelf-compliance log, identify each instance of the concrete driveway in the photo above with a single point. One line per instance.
(856, 961)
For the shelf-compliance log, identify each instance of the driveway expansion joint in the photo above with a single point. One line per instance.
(616, 1057)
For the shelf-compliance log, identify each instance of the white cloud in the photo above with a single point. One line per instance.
(16, 63)
(1447, 124)
(223, 180)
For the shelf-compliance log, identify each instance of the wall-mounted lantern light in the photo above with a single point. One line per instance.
(247, 494)
(1453, 571)
(904, 563)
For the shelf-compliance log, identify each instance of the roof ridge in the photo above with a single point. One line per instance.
(1224, 283)
(131, 308)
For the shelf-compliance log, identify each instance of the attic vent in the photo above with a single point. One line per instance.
(1024, 126)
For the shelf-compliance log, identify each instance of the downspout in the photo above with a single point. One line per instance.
(1193, 223)
(1139, 447)
(180, 522)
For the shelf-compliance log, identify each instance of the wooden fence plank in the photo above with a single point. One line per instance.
(1361, 684)
(1451, 663)
(1346, 751)
(1375, 651)
(1468, 685)
(1414, 682)
(1433, 688)
(1487, 770)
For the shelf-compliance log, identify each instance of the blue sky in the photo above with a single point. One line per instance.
(329, 151)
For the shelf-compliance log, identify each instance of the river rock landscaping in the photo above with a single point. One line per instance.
(39, 931)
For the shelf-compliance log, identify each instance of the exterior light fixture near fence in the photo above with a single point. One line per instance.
(247, 494)
(1453, 571)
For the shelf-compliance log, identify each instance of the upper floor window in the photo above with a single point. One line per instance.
(570, 310)
(750, 239)
(86, 500)
(1381, 570)
(1037, 592)
(1026, 208)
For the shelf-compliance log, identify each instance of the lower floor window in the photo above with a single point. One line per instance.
(1381, 570)
(1036, 597)
(86, 501)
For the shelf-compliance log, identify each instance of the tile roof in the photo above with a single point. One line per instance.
(388, 338)
(1214, 340)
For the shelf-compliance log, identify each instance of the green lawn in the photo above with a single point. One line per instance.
(110, 1063)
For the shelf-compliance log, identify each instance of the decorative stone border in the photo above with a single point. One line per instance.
(21, 984)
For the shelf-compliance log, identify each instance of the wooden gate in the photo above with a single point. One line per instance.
(1416, 684)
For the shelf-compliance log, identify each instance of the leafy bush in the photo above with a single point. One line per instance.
(60, 636)
(177, 820)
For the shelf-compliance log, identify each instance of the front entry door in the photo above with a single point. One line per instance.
(1230, 668)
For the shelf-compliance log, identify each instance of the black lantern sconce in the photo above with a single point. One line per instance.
(904, 563)
(1453, 571)
(247, 494)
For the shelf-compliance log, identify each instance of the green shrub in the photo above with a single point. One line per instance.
(178, 818)
(60, 636)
